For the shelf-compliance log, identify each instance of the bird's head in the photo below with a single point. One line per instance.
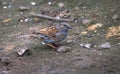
(64, 26)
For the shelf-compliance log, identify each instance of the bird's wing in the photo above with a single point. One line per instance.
(48, 32)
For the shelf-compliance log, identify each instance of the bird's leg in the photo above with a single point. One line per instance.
(53, 46)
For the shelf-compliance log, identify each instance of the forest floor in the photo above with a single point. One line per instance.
(94, 39)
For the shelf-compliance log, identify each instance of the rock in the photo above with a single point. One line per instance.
(69, 41)
(62, 49)
(22, 50)
(6, 60)
(75, 20)
(86, 45)
(115, 17)
(50, 3)
(33, 3)
(105, 45)
(6, 5)
(4, 72)
(61, 4)
(86, 21)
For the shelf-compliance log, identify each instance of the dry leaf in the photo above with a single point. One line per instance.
(7, 20)
(91, 28)
(113, 31)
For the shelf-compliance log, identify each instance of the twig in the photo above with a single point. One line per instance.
(52, 18)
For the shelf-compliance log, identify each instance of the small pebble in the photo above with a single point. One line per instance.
(26, 20)
(50, 3)
(33, 3)
(115, 17)
(63, 49)
(22, 50)
(4, 72)
(6, 5)
(69, 41)
(86, 21)
(61, 4)
(43, 43)
(105, 45)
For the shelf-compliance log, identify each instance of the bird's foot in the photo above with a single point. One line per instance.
(54, 46)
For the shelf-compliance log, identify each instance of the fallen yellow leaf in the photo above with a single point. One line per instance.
(7, 20)
(113, 31)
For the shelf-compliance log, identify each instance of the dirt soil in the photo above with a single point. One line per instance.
(97, 22)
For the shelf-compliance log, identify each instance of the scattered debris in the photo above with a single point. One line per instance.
(105, 45)
(23, 8)
(60, 4)
(52, 18)
(22, 50)
(86, 45)
(115, 17)
(27, 19)
(54, 13)
(6, 5)
(113, 31)
(63, 49)
(75, 20)
(64, 14)
(33, 3)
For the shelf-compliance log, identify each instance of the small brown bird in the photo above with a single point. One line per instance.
(54, 34)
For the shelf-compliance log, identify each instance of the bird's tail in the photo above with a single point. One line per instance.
(36, 33)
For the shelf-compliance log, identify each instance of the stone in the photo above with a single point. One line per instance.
(22, 50)
(50, 3)
(33, 3)
(63, 49)
(105, 45)
(88, 45)
(61, 4)
(115, 17)
(69, 41)
(86, 21)
(4, 72)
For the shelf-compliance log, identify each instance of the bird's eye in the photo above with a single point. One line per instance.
(64, 25)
